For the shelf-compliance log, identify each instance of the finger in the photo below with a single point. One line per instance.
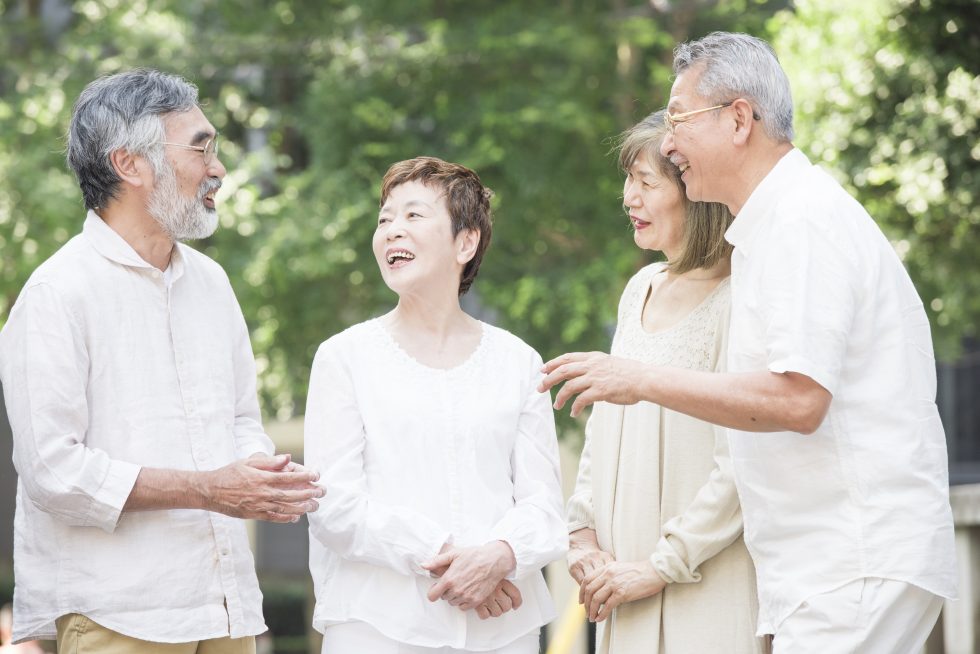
(273, 516)
(440, 561)
(607, 608)
(435, 593)
(559, 375)
(572, 387)
(495, 609)
(501, 599)
(599, 598)
(482, 612)
(583, 401)
(513, 593)
(300, 479)
(561, 360)
(270, 463)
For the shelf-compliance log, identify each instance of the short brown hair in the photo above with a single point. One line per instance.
(705, 223)
(467, 199)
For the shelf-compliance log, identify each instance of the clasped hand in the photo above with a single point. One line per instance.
(474, 578)
(605, 583)
(263, 487)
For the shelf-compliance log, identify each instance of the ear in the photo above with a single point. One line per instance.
(744, 121)
(467, 242)
(132, 168)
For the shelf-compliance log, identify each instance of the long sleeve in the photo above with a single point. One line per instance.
(45, 372)
(535, 527)
(713, 520)
(579, 511)
(250, 437)
(350, 521)
(711, 523)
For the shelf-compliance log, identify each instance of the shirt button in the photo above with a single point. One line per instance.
(224, 552)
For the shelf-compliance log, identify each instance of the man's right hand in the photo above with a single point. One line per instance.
(262, 487)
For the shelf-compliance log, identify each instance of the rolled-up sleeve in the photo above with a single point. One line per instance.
(352, 523)
(250, 437)
(45, 368)
(535, 527)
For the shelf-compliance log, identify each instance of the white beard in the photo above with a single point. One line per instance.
(182, 218)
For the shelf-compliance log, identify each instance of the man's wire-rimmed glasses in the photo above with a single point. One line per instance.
(672, 120)
(208, 149)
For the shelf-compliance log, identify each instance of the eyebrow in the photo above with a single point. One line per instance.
(408, 205)
(202, 135)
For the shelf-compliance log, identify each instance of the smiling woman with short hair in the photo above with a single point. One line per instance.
(439, 456)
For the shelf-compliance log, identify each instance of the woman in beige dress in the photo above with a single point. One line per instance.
(655, 524)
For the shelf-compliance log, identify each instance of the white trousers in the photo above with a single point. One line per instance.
(361, 638)
(867, 616)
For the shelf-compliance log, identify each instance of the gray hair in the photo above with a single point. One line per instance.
(741, 66)
(122, 112)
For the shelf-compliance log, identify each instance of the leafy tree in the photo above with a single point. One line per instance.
(888, 94)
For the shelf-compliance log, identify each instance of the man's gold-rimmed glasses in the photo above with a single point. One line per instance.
(208, 149)
(672, 120)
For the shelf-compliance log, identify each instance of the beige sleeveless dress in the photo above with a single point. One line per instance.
(658, 484)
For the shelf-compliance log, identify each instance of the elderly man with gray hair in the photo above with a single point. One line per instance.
(836, 443)
(130, 387)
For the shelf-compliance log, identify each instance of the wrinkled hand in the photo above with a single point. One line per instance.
(617, 583)
(584, 555)
(594, 377)
(263, 487)
(505, 597)
(470, 574)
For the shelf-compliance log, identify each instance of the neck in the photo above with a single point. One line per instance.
(716, 272)
(752, 169)
(129, 218)
(435, 318)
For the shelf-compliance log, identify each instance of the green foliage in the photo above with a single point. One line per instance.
(315, 99)
(892, 108)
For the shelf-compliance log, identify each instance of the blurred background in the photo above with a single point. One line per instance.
(314, 99)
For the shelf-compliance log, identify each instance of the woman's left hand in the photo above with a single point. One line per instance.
(617, 583)
(472, 574)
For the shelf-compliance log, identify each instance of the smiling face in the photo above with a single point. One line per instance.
(656, 208)
(182, 199)
(699, 146)
(414, 244)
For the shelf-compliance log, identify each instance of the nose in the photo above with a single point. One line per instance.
(631, 197)
(216, 168)
(667, 146)
(396, 229)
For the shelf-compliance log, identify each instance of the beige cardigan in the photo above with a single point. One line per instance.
(658, 484)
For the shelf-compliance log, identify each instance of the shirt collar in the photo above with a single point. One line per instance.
(756, 209)
(114, 247)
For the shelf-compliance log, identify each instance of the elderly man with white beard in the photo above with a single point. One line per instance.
(130, 387)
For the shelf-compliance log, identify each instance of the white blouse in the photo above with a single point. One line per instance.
(413, 457)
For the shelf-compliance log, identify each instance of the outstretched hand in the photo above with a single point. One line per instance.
(263, 487)
(593, 377)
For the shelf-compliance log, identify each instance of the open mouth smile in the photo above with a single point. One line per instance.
(397, 258)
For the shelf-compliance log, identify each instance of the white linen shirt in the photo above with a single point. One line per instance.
(106, 369)
(818, 290)
(413, 457)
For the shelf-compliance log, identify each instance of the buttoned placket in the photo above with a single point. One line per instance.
(446, 387)
(189, 387)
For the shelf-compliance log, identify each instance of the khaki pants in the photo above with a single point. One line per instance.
(79, 635)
